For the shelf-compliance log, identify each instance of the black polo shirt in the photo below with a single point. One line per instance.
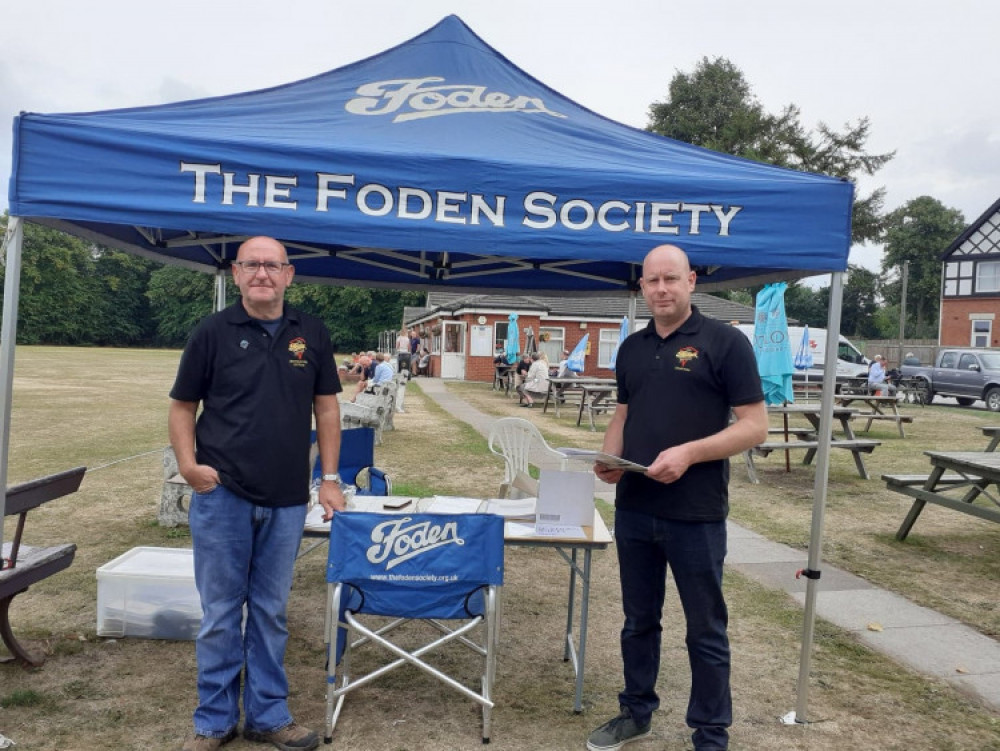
(257, 395)
(680, 389)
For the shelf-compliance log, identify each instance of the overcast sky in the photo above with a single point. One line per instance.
(925, 74)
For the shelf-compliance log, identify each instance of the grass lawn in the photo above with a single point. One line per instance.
(99, 406)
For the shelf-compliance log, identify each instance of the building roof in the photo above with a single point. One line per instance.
(982, 237)
(576, 308)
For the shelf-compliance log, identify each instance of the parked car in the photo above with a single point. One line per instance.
(966, 374)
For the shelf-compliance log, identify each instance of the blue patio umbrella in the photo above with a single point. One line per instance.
(804, 356)
(771, 345)
(622, 333)
(513, 339)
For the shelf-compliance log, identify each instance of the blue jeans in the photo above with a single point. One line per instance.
(244, 555)
(695, 552)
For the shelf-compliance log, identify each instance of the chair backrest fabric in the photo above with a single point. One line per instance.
(416, 565)
(357, 451)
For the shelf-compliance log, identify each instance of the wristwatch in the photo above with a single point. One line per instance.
(334, 477)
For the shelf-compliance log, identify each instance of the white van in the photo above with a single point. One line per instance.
(850, 362)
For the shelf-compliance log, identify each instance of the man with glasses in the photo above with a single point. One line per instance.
(260, 370)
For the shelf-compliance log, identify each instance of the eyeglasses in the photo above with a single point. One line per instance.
(252, 267)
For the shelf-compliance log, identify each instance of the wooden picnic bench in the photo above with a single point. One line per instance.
(595, 399)
(24, 565)
(806, 438)
(876, 406)
(856, 446)
(969, 472)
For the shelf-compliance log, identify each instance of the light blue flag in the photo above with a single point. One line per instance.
(576, 357)
(771, 345)
(513, 339)
(621, 338)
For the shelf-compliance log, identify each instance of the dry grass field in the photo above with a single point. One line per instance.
(96, 407)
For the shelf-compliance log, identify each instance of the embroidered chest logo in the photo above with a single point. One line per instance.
(684, 357)
(297, 347)
(400, 540)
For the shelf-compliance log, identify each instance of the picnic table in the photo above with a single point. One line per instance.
(807, 438)
(879, 408)
(595, 398)
(503, 378)
(993, 433)
(562, 388)
(957, 478)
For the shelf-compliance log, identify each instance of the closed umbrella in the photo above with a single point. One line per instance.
(622, 333)
(513, 339)
(804, 356)
(773, 351)
(771, 346)
(530, 345)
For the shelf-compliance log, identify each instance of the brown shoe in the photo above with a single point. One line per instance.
(195, 742)
(289, 738)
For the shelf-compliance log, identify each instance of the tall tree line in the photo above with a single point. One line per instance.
(76, 293)
(713, 106)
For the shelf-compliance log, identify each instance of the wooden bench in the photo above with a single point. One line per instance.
(24, 565)
(855, 446)
(908, 481)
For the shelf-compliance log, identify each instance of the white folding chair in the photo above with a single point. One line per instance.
(443, 570)
(520, 444)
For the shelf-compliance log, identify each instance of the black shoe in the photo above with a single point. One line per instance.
(616, 732)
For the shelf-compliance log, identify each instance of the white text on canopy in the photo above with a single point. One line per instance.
(540, 210)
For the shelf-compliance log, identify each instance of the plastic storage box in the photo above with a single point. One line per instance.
(149, 593)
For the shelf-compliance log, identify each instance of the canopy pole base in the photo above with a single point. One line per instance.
(791, 719)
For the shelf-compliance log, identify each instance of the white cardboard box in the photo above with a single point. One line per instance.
(149, 593)
(564, 499)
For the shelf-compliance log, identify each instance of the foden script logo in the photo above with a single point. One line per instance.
(400, 540)
(417, 98)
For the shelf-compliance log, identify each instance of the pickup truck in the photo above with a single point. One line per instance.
(966, 374)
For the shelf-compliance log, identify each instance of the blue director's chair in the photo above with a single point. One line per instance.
(444, 570)
(357, 462)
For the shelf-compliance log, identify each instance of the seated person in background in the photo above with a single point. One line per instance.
(500, 356)
(563, 370)
(523, 365)
(424, 363)
(367, 373)
(536, 385)
(911, 359)
(383, 370)
(876, 378)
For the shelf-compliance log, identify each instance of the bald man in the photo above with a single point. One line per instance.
(679, 381)
(260, 370)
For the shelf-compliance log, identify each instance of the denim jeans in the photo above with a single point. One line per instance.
(244, 555)
(695, 552)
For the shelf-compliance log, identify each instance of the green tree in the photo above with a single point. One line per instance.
(918, 232)
(860, 303)
(178, 299)
(714, 107)
(57, 293)
(806, 305)
(122, 316)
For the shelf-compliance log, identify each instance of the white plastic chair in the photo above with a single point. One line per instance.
(520, 444)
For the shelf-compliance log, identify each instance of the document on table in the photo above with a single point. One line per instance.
(609, 460)
(520, 509)
(445, 504)
(562, 531)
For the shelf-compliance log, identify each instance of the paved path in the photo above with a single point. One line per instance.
(922, 639)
